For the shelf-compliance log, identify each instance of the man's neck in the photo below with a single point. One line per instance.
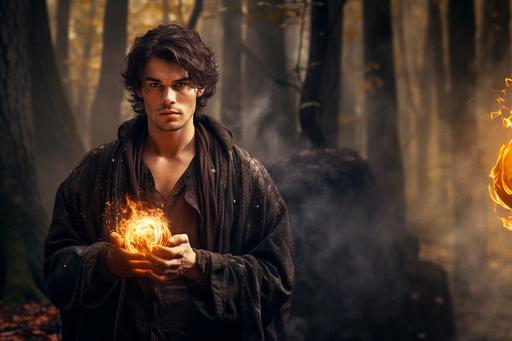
(170, 144)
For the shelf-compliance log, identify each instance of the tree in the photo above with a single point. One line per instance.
(58, 143)
(496, 40)
(105, 110)
(81, 112)
(62, 44)
(470, 240)
(194, 16)
(23, 216)
(310, 101)
(383, 148)
(331, 84)
(266, 90)
(232, 66)
(321, 88)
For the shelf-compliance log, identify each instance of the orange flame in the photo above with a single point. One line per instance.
(503, 109)
(500, 188)
(144, 228)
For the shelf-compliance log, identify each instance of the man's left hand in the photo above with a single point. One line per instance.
(175, 261)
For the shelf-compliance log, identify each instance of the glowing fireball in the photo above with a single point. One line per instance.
(143, 228)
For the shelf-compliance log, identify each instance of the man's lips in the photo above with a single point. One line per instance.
(168, 113)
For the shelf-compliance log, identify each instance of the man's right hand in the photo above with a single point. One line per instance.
(124, 264)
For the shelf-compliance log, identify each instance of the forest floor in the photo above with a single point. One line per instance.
(485, 314)
(30, 321)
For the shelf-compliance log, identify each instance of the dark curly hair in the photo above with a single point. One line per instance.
(174, 44)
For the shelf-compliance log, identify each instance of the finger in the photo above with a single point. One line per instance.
(132, 255)
(138, 272)
(140, 264)
(163, 263)
(173, 269)
(117, 240)
(157, 278)
(178, 239)
(168, 252)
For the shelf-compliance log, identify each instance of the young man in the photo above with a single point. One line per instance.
(227, 271)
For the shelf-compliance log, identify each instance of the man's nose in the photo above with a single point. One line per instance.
(168, 96)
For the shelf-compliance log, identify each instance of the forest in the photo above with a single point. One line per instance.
(379, 120)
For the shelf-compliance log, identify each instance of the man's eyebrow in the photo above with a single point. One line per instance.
(152, 79)
(183, 79)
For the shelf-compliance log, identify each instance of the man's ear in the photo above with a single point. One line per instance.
(200, 92)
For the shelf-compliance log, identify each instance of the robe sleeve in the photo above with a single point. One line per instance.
(253, 288)
(74, 267)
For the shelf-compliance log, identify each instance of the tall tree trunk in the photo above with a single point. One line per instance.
(62, 44)
(435, 79)
(467, 180)
(105, 110)
(383, 144)
(23, 217)
(165, 12)
(58, 144)
(82, 95)
(311, 106)
(331, 84)
(266, 94)
(496, 40)
(232, 66)
(194, 16)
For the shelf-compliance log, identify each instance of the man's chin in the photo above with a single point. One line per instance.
(169, 128)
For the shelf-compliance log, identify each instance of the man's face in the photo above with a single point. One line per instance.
(169, 95)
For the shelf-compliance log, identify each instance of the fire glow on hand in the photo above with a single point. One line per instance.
(144, 228)
(500, 188)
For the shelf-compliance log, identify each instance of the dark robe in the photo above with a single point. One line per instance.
(246, 245)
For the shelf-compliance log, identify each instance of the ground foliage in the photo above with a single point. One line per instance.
(29, 321)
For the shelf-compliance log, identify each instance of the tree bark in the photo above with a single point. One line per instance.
(383, 144)
(58, 144)
(311, 106)
(331, 84)
(62, 44)
(266, 94)
(496, 40)
(194, 16)
(466, 162)
(105, 110)
(232, 66)
(82, 114)
(23, 217)
(433, 95)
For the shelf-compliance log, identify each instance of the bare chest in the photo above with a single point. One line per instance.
(166, 173)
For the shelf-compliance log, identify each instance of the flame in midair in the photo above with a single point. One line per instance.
(500, 188)
(143, 228)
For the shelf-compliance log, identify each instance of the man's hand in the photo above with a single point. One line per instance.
(126, 264)
(176, 260)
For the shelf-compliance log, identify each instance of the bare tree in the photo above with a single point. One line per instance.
(62, 44)
(105, 110)
(383, 148)
(311, 106)
(468, 181)
(232, 66)
(266, 92)
(196, 12)
(58, 143)
(82, 95)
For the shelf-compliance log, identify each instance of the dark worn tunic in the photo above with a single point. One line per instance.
(247, 269)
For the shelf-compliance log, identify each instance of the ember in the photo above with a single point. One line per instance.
(144, 228)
